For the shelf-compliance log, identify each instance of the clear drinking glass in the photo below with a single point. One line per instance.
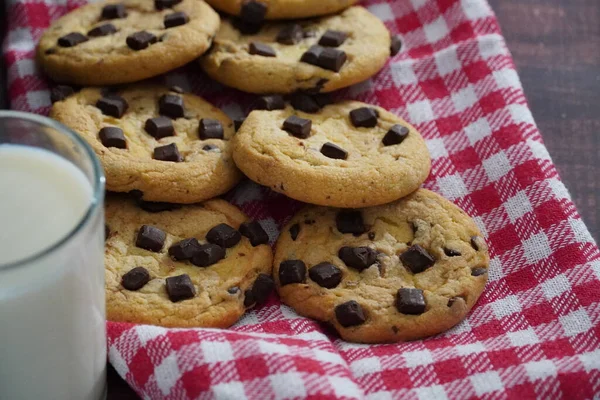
(52, 311)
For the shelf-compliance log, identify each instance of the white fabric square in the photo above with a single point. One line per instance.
(249, 318)
(452, 186)
(497, 166)
(475, 9)
(229, 390)
(38, 99)
(590, 360)
(464, 98)
(540, 369)
(420, 112)
(148, 332)
(596, 268)
(344, 387)
(486, 382)
(417, 358)
(288, 385)
(462, 327)
(471, 348)
(507, 78)
(328, 357)
(25, 67)
(559, 189)
(523, 338)
(582, 235)
(403, 74)
(506, 306)
(418, 3)
(216, 351)
(491, 46)
(556, 286)
(383, 395)
(365, 366)
(382, 11)
(517, 206)
(20, 39)
(273, 348)
(538, 150)
(167, 373)
(537, 247)
(436, 30)
(435, 392)
(117, 361)
(481, 225)
(495, 269)
(361, 87)
(447, 61)
(288, 312)
(478, 130)
(520, 113)
(436, 148)
(576, 322)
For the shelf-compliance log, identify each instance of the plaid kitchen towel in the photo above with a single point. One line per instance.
(535, 332)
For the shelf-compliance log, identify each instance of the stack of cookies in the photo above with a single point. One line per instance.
(375, 257)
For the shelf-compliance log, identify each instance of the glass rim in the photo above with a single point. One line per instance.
(97, 183)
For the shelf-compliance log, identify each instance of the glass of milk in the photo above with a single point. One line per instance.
(52, 314)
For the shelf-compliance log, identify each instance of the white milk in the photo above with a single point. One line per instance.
(52, 332)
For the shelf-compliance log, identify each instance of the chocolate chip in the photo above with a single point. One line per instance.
(223, 235)
(349, 314)
(297, 126)
(150, 238)
(311, 56)
(292, 271)
(135, 278)
(326, 275)
(177, 89)
(111, 136)
(208, 254)
(333, 38)
(371, 235)
(102, 30)
(304, 102)
(185, 249)
(410, 301)
(358, 257)
(332, 59)
(334, 151)
(210, 129)
(140, 40)
(237, 123)
(453, 300)
(396, 45)
(157, 206)
(262, 288)
(106, 231)
(290, 34)
(180, 288)
(364, 117)
(417, 259)
(350, 222)
(247, 28)
(451, 253)
(233, 290)
(159, 127)
(261, 49)
(72, 39)
(113, 11)
(253, 12)
(162, 4)
(176, 19)
(112, 105)
(60, 92)
(171, 105)
(249, 298)
(478, 271)
(255, 232)
(211, 147)
(294, 231)
(269, 103)
(323, 99)
(51, 50)
(475, 242)
(395, 135)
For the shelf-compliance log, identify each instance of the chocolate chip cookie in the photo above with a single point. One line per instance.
(199, 265)
(318, 55)
(397, 272)
(255, 11)
(113, 42)
(171, 146)
(348, 154)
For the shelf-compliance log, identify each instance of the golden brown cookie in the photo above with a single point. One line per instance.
(348, 154)
(254, 11)
(318, 55)
(173, 147)
(397, 272)
(182, 266)
(114, 42)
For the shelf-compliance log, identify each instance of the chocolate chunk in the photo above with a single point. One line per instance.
(237, 123)
(453, 300)
(177, 89)
(208, 254)
(262, 288)
(297, 126)
(396, 45)
(60, 92)
(332, 59)
(249, 299)
(326, 275)
(185, 249)
(106, 231)
(253, 12)
(233, 290)
(111, 136)
(102, 30)
(294, 231)
(371, 235)
(176, 19)
(51, 50)
(72, 39)
(159, 127)
(210, 129)
(451, 253)
(171, 105)
(478, 271)
(292, 271)
(180, 288)
(358, 257)
(247, 28)
(210, 147)
(140, 40)
(333, 38)
(290, 34)
(114, 11)
(304, 102)
(410, 301)
(417, 259)
(261, 49)
(311, 56)
(135, 278)
(349, 314)
(112, 105)
(157, 206)
(334, 151)
(223, 235)
(350, 222)
(395, 135)
(150, 238)
(475, 242)
(323, 99)
(364, 117)
(269, 103)
(255, 232)
(162, 4)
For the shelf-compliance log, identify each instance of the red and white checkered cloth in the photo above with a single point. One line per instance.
(535, 332)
